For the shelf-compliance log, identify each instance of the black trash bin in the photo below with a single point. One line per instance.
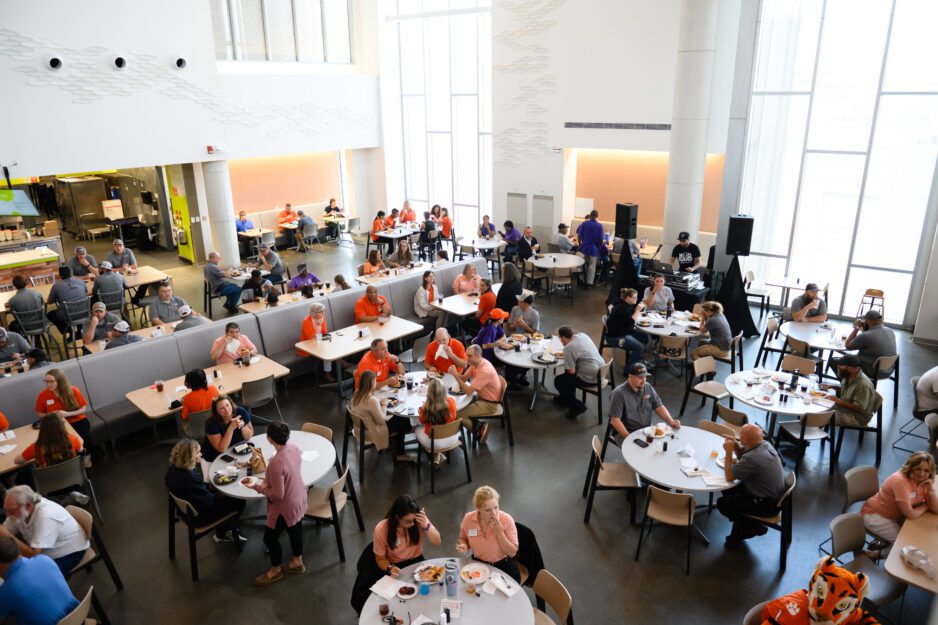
(142, 236)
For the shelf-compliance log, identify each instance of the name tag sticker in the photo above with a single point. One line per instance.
(473, 533)
(49, 402)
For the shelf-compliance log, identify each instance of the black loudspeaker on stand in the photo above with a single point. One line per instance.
(627, 221)
(739, 235)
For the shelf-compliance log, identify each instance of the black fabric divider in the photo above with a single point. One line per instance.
(732, 295)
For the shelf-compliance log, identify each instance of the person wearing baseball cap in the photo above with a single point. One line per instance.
(122, 335)
(101, 324)
(37, 358)
(686, 254)
(563, 240)
(82, 263)
(190, 319)
(809, 306)
(108, 281)
(523, 317)
(269, 260)
(12, 346)
(872, 340)
(120, 257)
(634, 403)
(853, 402)
(492, 334)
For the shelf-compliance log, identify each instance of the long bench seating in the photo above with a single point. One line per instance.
(195, 344)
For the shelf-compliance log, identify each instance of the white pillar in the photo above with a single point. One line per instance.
(690, 118)
(221, 211)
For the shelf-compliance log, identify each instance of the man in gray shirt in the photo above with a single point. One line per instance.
(581, 363)
(563, 241)
(189, 319)
(165, 309)
(12, 346)
(301, 222)
(123, 336)
(809, 306)
(215, 276)
(67, 289)
(761, 477)
(82, 263)
(108, 281)
(523, 317)
(25, 300)
(121, 256)
(634, 402)
(872, 339)
(101, 324)
(270, 260)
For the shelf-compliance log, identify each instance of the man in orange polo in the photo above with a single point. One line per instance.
(445, 352)
(407, 214)
(287, 216)
(385, 365)
(486, 305)
(371, 306)
(391, 220)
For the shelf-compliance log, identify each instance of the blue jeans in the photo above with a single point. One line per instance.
(69, 561)
(633, 344)
(233, 294)
(510, 252)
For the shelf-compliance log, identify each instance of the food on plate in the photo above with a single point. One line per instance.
(406, 591)
(659, 431)
(222, 478)
(695, 317)
(537, 336)
(518, 337)
(816, 393)
(429, 573)
(470, 575)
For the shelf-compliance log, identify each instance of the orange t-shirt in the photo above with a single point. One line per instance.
(389, 222)
(451, 403)
(4, 424)
(364, 307)
(408, 215)
(382, 368)
(369, 269)
(308, 331)
(376, 227)
(486, 305)
(286, 217)
(198, 400)
(30, 452)
(49, 402)
(442, 363)
(447, 227)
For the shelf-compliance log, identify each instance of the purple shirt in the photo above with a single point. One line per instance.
(512, 236)
(590, 234)
(283, 486)
(298, 281)
(488, 334)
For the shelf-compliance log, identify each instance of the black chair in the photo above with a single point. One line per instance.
(182, 510)
(782, 520)
(77, 316)
(37, 329)
(611, 476)
(918, 418)
(876, 429)
(208, 297)
(885, 363)
(114, 301)
(529, 558)
(809, 427)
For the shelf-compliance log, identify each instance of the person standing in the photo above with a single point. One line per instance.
(581, 363)
(283, 486)
(686, 254)
(592, 246)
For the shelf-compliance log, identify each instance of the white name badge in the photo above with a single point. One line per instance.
(49, 402)
(473, 533)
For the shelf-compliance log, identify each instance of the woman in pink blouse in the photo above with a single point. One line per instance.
(283, 486)
(490, 533)
(468, 281)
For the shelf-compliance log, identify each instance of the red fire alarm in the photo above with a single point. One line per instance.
(210, 149)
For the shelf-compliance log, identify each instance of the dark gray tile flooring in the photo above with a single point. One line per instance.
(540, 480)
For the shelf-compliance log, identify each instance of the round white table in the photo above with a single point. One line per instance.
(524, 359)
(764, 394)
(679, 324)
(557, 261)
(786, 283)
(483, 244)
(664, 468)
(482, 610)
(412, 400)
(319, 459)
(826, 336)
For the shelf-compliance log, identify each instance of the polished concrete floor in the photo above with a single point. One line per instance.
(540, 480)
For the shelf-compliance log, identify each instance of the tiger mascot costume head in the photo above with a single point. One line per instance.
(832, 598)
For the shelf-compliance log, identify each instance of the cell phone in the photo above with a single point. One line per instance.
(639, 442)
(227, 458)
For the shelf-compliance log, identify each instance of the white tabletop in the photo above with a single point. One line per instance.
(664, 467)
(482, 244)
(245, 275)
(417, 397)
(818, 335)
(679, 324)
(525, 356)
(787, 282)
(766, 385)
(485, 609)
(396, 233)
(557, 261)
(390, 274)
(923, 534)
(253, 233)
(346, 341)
(313, 469)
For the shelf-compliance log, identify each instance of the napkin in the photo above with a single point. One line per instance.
(440, 352)
(182, 389)
(688, 464)
(760, 371)
(823, 402)
(453, 605)
(747, 394)
(422, 620)
(309, 456)
(714, 480)
(5, 449)
(501, 582)
(5, 436)
(386, 587)
(687, 451)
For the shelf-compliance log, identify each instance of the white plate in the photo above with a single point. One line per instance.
(423, 567)
(721, 461)
(650, 430)
(406, 597)
(481, 571)
(760, 399)
(544, 358)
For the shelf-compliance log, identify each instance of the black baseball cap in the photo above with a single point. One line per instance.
(683, 236)
(638, 369)
(873, 315)
(811, 286)
(850, 360)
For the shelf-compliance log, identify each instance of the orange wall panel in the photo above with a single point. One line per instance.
(260, 184)
(619, 176)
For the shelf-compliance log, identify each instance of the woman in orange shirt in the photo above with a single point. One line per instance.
(313, 323)
(490, 533)
(62, 398)
(439, 409)
(200, 394)
(54, 444)
(4, 424)
(435, 213)
(446, 224)
(377, 226)
(374, 263)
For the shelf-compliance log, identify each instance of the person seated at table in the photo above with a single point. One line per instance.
(563, 240)
(853, 401)
(4, 423)
(377, 226)
(34, 590)
(658, 297)
(446, 224)
(67, 289)
(808, 306)
(391, 220)
(374, 264)
(620, 326)
(201, 394)
(592, 246)
(407, 214)
(286, 217)
(489, 533)
(480, 378)
(444, 352)
(371, 306)
(82, 264)
(299, 236)
(926, 393)
(714, 322)
(272, 300)
(303, 277)
(61, 398)
(243, 224)
(686, 254)
(189, 319)
(256, 286)
(511, 287)
(402, 256)
(55, 443)
(108, 281)
(425, 295)
(468, 281)
(438, 409)
(524, 318)
(41, 526)
(165, 308)
(872, 339)
(386, 366)
(270, 261)
(581, 363)
(122, 336)
(315, 323)
(332, 210)
(36, 358)
(426, 227)
(184, 480)
(12, 346)
(527, 245)
(486, 305)
(340, 283)
(492, 334)
(366, 406)
(634, 403)
(486, 229)
(511, 236)
(906, 494)
(756, 464)
(232, 345)
(218, 283)
(120, 257)
(24, 300)
(442, 258)
(228, 426)
(436, 214)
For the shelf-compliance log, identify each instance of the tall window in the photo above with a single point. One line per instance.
(312, 31)
(445, 91)
(842, 143)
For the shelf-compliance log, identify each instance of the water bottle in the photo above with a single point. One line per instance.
(450, 578)
(318, 334)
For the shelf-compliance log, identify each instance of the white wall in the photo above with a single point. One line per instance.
(88, 115)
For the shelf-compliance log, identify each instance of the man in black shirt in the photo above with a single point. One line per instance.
(686, 254)
(620, 327)
(527, 245)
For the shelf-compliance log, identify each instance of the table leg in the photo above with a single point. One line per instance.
(701, 536)
(537, 385)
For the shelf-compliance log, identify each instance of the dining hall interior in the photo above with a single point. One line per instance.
(659, 274)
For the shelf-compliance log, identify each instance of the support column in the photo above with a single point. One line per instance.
(221, 211)
(690, 118)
